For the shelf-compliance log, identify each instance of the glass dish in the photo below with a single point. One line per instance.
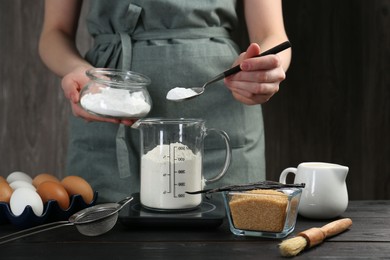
(116, 93)
(51, 212)
(262, 213)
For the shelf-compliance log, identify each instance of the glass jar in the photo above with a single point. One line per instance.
(116, 94)
(262, 213)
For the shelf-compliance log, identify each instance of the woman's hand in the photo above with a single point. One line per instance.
(258, 79)
(57, 48)
(71, 85)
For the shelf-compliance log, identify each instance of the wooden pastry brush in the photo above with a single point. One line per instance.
(313, 237)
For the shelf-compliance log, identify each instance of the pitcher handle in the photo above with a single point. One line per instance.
(228, 155)
(285, 172)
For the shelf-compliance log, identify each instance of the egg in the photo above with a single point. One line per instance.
(18, 176)
(75, 185)
(2, 179)
(5, 192)
(40, 178)
(22, 197)
(50, 190)
(21, 184)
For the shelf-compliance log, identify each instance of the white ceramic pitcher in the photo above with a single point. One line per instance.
(325, 194)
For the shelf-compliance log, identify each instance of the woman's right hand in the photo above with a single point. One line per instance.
(72, 83)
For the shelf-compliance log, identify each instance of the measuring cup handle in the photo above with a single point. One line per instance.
(228, 156)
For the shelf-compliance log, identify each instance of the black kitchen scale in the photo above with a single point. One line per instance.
(210, 213)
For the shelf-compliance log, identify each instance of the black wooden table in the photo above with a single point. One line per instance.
(369, 238)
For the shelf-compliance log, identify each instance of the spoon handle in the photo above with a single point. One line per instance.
(274, 50)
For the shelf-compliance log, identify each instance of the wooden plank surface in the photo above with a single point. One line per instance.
(360, 242)
(184, 250)
(33, 110)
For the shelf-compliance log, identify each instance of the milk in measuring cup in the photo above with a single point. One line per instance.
(168, 171)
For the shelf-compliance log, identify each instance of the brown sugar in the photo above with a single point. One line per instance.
(259, 210)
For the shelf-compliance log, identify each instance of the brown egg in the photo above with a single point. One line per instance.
(44, 177)
(5, 192)
(76, 185)
(51, 190)
(2, 179)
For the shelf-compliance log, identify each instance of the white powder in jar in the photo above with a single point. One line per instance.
(180, 93)
(116, 102)
(167, 172)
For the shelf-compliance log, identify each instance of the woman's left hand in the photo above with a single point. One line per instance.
(258, 79)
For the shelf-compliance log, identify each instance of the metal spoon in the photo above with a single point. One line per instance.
(180, 94)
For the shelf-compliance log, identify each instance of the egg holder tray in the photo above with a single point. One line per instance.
(51, 212)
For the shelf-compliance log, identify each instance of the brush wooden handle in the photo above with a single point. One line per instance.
(315, 236)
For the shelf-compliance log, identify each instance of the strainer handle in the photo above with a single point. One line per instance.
(33, 231)
(123, 202)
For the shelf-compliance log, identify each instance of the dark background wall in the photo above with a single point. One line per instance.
(335, 106)
(332, 107)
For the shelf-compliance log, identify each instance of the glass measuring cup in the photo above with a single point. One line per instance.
(172, 162)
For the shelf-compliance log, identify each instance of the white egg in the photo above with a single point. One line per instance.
(19, 176)
(22, 197)
(21, 184)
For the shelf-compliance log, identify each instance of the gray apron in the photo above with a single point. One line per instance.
(174, 43)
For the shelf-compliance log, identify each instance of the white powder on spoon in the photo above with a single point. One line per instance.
(116, 102)
(180, 93)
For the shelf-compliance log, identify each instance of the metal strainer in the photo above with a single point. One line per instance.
(92, 221)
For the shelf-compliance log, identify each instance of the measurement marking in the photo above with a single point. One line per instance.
(174, 171)
(170, 172)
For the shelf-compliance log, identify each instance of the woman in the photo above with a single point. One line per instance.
(174, 43)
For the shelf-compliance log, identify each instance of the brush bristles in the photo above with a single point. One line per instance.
(292, 246)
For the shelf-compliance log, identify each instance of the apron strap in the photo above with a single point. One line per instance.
(166, 34)
(133, 15)
(122, 152)
(122, 148)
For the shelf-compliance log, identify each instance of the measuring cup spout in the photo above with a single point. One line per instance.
(155, 123)
(137, 124)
